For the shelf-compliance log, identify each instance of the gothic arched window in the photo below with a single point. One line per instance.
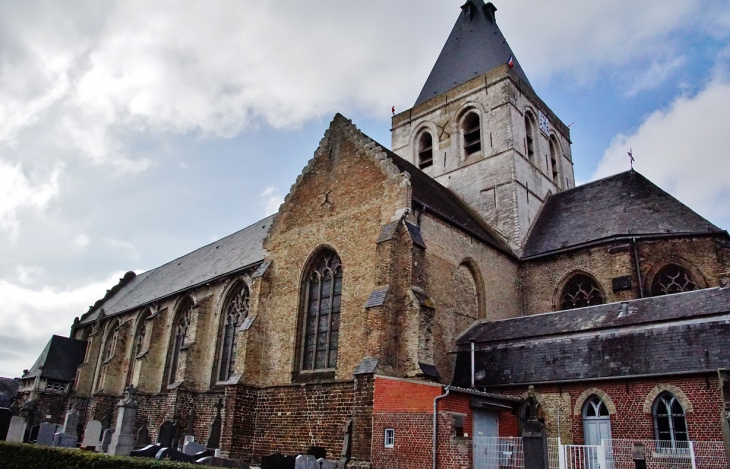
(322, 290)
(670, 424)
(472, 133)
(179, 334)
(530, 138)
(139, 344)
(672, 279)
(110, 341)
(234, 312)
(425, 150)
(555, 160)
(580, 291)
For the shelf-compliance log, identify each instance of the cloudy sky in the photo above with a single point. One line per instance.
(134, 132)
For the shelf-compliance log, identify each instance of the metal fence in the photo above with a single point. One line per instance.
(498, 453)
(662, 455)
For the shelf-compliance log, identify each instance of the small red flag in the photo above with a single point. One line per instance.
(511, 62)
(393, 110)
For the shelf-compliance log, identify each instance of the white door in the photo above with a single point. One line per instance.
(486, 439)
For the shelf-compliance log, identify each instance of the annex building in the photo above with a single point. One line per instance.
(343, 317)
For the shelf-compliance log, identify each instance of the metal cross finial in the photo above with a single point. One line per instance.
(631, 157)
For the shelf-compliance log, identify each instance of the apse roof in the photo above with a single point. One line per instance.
(59, 359)
(475, 46)
(626, 204)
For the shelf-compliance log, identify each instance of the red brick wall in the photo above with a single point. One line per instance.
(394, 395)
(628, 396)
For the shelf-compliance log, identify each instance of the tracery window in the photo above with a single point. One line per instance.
(180, 332)
(581, 291)
(670, 424)
(554, 160)
(322, 294)
(472, 133)
(595, 408)
(672, 279)
(530, 136)
(110, 342)
(139, 344)
(235, 311)
(425, 150)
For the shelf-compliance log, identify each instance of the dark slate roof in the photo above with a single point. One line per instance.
(59, 359)
(8, 390)
(624, 204)
(682, 333)
(232, 253)
(475, 46)
(443, 203)
(656, 309)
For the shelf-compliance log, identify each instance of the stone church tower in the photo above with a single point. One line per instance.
(480, 129)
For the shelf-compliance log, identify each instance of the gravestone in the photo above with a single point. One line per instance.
(45, 434)
(176, 436)
(222, 462)
(164, 436)
(16, 432)
(191, 423)
(106, 422)
(193, 447)
(346, 452)
(172, 454)
(67, 438)
(106, 439)
(214, 430)
(143, 436)
(534, 439)
(33, 436)
(92, 435)
(305, 461)
(123, 439)
(325, 464)
(149, 451)
(278, 461)
(5, 416)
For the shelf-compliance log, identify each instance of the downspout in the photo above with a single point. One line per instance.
(638, 269)
(435, 421)
(472, 363)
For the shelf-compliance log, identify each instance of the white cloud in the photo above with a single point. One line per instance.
(18, 193)
(684, 150)
(37, 313)
(81, 241)
(653, 77)
(271, 200)
(28, 275)
(124, 246)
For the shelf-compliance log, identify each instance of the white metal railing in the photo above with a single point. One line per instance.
(617, 454)
(498, 453)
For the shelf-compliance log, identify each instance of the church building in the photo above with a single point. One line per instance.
(454, 271)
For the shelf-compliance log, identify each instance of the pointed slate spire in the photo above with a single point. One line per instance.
(475, 46)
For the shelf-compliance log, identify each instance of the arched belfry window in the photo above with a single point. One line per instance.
(672, 279)
(472, 133)
(580, 291)
(180, 330)
(425, 150)
(322, 290)
(670, 424)
(555, 160)
(235, 311)
(530, 138)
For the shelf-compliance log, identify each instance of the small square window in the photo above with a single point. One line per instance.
(389, 437)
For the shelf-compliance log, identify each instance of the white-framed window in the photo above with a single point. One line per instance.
(389, 437)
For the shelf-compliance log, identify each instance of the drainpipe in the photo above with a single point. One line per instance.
(472, 363)
(435, 421)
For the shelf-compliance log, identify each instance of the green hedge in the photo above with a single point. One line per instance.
(27, 456)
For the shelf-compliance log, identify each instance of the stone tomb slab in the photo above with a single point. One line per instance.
(166, 433)
(16, 431)
(278, 461)
(325, 464)
(92, 435)
(149, 451)
(106, 439)
(306, 461)
(222, 462)
(174, 455)
(193, 447)
(46, 432)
